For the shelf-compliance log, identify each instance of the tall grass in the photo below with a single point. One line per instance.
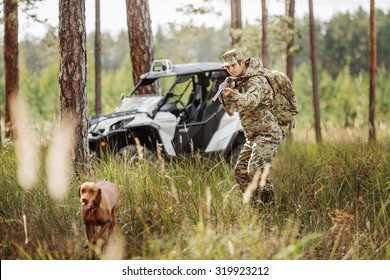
(332, 201)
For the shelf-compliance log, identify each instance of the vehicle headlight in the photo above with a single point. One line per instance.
(120, 124)
(116, 126)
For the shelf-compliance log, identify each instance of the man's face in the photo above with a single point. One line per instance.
(235, 70)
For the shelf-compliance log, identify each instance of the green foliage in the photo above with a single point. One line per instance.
(343, 41)
(250, 39)
(344, 36)
(382, 93)
(116, 83)
(114, 50)
(303, 41)
(383, 43)
(205, 8)
(344, 99)
(280, 30)
(190, 43)
(279, 34)
(332, 202)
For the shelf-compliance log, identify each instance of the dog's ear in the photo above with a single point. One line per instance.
(98, 198)
(78, 191)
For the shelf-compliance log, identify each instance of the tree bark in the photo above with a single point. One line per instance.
(72, 78)
(140, 39)
(373, 66)
(98, 64)
(11, 59)
(313, 57)
(264, 34)
(290, 6)
(236, 21)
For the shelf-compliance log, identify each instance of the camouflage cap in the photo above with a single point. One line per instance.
(231, 57)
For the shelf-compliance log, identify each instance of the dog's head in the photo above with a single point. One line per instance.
(90, 195)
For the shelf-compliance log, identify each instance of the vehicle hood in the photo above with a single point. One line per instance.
(140, 108)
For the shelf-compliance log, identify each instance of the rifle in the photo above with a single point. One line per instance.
(222, 86)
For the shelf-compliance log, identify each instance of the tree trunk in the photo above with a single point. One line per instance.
(290, 10)
(72, 78)
(264, 34)
(140, 39)
(11, 67)
(372, 130)
(236, 22)
(98, 63)
(313, 57)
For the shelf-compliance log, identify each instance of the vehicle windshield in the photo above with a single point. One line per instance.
(140, 104)
(176, 85)
(171, 87)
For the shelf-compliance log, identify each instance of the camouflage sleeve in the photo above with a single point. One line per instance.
(258, 91)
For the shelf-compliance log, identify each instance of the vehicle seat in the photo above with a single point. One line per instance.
(198, 104)
(198, 99)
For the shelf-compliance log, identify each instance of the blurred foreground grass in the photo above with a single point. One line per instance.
(332, 202)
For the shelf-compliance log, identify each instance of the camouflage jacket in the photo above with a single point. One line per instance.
(253, 96)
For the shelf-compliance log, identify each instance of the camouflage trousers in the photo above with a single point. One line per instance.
(254, 156)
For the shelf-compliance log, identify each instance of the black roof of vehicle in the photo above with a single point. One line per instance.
(186, 68)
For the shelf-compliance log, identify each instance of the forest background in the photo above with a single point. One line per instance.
(342, 59)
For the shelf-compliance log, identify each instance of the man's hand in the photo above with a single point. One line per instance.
(227, 92)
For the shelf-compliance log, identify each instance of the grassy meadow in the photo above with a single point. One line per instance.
(332, 201)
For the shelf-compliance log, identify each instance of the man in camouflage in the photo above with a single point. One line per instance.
(252, 95)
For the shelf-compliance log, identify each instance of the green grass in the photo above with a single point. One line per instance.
(332, 202)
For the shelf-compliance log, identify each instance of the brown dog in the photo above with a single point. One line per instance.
(100, 205)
